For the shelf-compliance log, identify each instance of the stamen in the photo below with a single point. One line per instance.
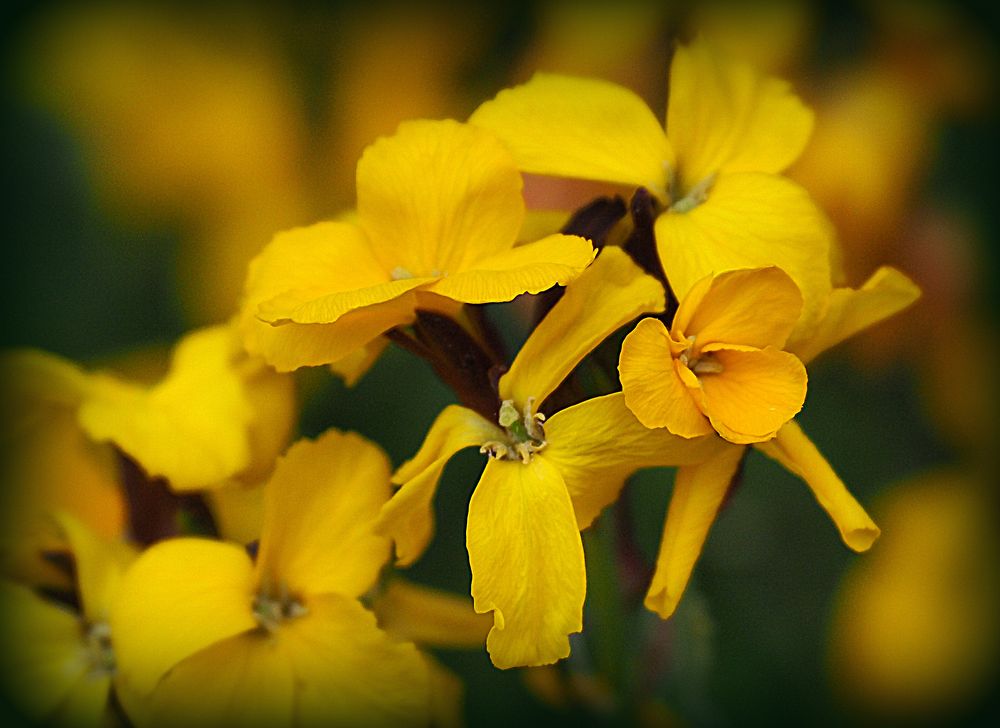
(697, 195)
(524, 432)
(100, 654)
(271, 611)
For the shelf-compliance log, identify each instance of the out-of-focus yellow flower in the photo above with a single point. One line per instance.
(720, 366)
(731, 132)
(543, 482)
(700, 489)
(59, 661)
(439, 211)
(216, 637)
(915, 635)
(48, 465)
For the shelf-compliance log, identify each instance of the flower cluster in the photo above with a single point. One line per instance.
(177, 501)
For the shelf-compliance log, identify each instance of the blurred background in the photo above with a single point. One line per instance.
(150, 150)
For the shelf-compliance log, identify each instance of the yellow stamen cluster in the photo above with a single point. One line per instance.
(525, 434)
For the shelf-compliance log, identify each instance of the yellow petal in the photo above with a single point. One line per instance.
(755, 393)
(356, 364)
(349, 672)
(275, 413)
(699, 491)
(179, 597)
(793, 449)
(651, 385)
(408, 518)
(750, 220)
(724, 116)
(99, 566)
(530, 268)
(31, 376)
(581, 128)
(430, 617)
(306, 264)
(192, 427)
(850, 311)
(41, 651)
(319, 511)
(527, 562)
(607, 295)
(757, 307)
(597, 444)
(87, 705)
(294, 307)
(245, 680)
(438, 196)
(238, 511)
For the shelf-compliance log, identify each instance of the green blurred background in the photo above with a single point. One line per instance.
(149, 151)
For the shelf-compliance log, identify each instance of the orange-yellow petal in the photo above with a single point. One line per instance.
(319, 512)
(851, 311)
(750, 220)
(527, 562)
(581, 128)
(793, 449)
(530, 268)
(607, 295)
(724, 116)
(438, 196)
(349, 672)
(195, 592)
(651, 383)
(755, 393)
(408, 518)
(756, 307)
(430, 617)
(699, 491)
(596, 444)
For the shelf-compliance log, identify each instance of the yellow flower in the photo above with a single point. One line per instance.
(723, 204)
(215, 637)
(439, 210)
(700, 489)
(58, 657)
(720, 366)
(546, 478)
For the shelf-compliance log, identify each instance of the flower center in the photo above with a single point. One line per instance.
(699, 364)
(271, 610)
(100, 654)
(697, 195)
(525, 434)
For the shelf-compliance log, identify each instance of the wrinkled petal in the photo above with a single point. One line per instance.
(328, 309)
(408, 518)
(724, 116)
(607, 295)
(430, 617)
(438, 196)
(699, 491)
(527, 562)
(530, 268)
(851, 311)
(99, 566)
(793, 449)
(349, 672)
(303, 265)
(652, 386)
(581, 128)
(245, 680)
(179, 597)
(755, 393)
(597, 444)
(757, 307)
(41, 651)
(192, 427)
(750, 220)
(319, 511)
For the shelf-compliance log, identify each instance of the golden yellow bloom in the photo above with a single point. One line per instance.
(724, 205)
(59, 662)
(439, 210)
(215, 637)
(720, 366)
(547, 477)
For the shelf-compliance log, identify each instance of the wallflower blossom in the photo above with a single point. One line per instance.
(724, 204)
(547, 477)
(700, 489)
(59, 663)
(280, 639)
(439, 210)
(720, 366)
